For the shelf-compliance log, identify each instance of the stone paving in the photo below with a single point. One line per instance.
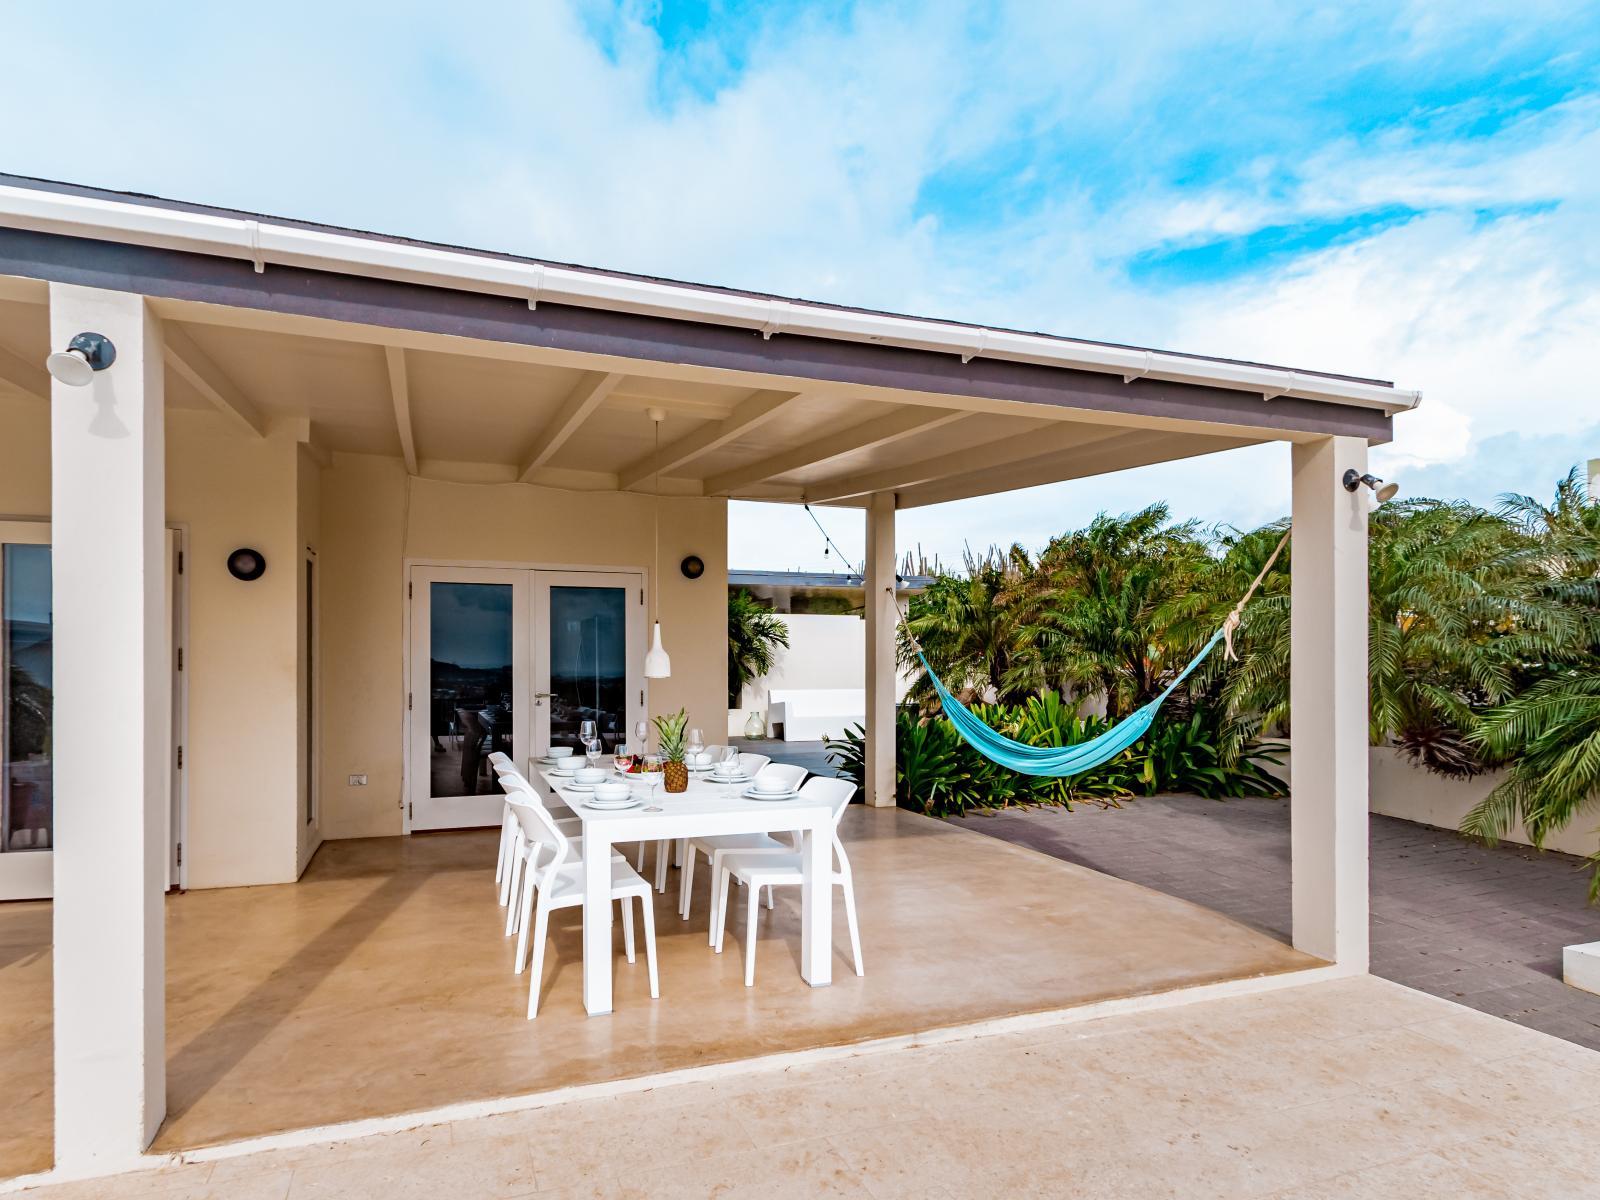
(1482, 927)
(1349, 1090)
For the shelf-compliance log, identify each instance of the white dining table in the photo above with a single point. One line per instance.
(706, 809)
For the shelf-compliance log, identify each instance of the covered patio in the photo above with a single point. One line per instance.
(380, 984)
(373, 418)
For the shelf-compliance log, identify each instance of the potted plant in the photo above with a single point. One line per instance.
(670, 734)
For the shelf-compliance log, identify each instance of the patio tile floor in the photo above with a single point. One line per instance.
(380, 984)
(1351, 1089)
(1480, 926)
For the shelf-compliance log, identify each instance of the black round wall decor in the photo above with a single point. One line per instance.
(247, 564)
(692, 567)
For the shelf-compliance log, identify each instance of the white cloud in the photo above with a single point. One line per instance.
(1069, 129)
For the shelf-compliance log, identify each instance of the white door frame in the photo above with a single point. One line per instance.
(415, 764)
(31, 875)
(457, 812)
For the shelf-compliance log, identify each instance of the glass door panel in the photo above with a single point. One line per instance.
(588, 648)
(469, 677)
(27, 801)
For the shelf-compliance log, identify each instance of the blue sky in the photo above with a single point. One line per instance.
(1407, 190)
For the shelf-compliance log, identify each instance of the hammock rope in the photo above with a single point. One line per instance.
(1058, 761)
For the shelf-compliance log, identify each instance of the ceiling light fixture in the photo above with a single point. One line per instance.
(656, 663)
(85, 354)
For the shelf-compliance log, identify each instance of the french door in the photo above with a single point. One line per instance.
(27, 756)
(512, 659)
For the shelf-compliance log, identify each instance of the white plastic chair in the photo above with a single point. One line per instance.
(714, 847)
(763, 869)
(503, 769)
(556, 882)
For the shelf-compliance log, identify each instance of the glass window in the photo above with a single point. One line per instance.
(26, 651)
(470, 684)
(588, 663)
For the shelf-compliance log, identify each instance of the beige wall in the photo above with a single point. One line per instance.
(825, 651)
(242, 663)
(374, 518)
(244, 651)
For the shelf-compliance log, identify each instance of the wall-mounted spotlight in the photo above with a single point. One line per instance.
(247, 565)
(85, 354)
(1383, 491)
(692, 567)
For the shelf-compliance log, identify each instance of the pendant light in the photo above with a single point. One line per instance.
(656, 663)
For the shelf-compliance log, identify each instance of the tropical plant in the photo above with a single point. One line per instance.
(1091, 616)
(965, 634)
(754, 635)
(1549, 734)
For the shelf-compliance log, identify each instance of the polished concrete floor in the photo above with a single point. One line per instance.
(1353, 1090)
(380, 984)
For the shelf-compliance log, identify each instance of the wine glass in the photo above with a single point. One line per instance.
(623, 757)
(593, 748)
(641, 736)
(587, 731)
(652, 774)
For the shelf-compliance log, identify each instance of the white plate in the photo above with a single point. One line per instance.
(575, 786)
(613, 805)
(752, 794)
(715, 778)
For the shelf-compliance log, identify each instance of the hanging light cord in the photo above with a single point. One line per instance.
(829, 540)
(657, 520)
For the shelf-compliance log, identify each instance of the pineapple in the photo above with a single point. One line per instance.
(670, 734)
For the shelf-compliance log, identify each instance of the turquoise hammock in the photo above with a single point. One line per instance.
(1056, 761)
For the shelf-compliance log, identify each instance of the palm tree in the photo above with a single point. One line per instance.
(1092, 616)
(754, 634)
(970, 640)
(1550, 732)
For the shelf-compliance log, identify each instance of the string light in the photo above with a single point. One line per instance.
(828, 542)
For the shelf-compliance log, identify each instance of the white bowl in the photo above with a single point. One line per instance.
(612, 791)
(702, 759)
(559, 752)
(775, 786)
(589, 775)
(570, 763)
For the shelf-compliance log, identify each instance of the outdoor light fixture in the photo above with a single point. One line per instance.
(656, 663)
(1383, 491)
(692, 567)
(85, 354)
(247, 565)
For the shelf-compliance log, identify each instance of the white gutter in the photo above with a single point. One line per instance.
(263, 243)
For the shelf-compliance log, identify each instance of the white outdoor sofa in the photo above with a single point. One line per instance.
(807, 714)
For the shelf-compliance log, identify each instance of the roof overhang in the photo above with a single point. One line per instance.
(213, 266)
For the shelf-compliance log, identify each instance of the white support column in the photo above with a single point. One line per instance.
(111, 735)
(1328, 703)
(881, 624)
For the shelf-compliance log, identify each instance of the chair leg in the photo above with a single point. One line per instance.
(500, 859)
(719, 884)
(541, 925)
(752, 913)
(524, 906)
(640, 867)
(662, 849)
(517, 872)
(769, 897)
(855, 929)
(679, 848)
(647, 911)
(722, 906)
(626, 904)
(686, 892)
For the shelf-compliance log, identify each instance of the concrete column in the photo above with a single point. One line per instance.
(112, 735)
(881, 625)
(1328, 699)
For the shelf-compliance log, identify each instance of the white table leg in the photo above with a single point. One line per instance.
(597, 957)
(816, 905)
